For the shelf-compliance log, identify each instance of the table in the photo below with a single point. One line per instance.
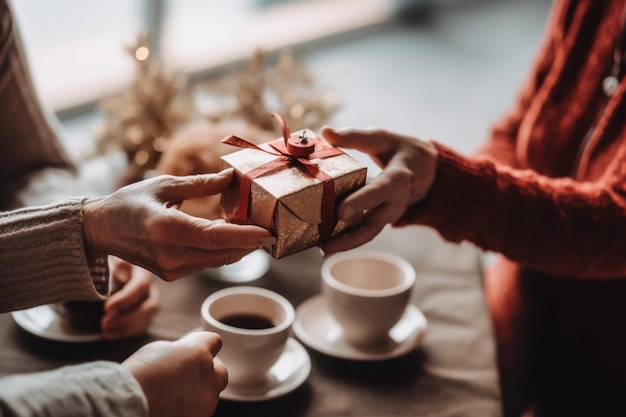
(452, 374)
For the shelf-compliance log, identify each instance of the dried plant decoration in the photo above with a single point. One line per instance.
(284, 86)
(141, 119)
(162, 123)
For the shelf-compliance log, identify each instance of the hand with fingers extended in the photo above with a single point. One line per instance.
(129, 311)
(181, 378)
(409, 167)
(142, 224)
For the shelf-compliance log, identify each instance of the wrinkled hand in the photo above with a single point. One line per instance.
(141, 223)
(181, 378)
(409, 167)
(130, 310)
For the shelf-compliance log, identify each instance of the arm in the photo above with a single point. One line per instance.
(96, 388)
(162, 379)
(558, 226)
(43, 258)
(554, 225)
(44, 249)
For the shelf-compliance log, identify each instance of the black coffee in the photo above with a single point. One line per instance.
(248, 321)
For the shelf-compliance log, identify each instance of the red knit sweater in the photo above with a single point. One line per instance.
(559, 304)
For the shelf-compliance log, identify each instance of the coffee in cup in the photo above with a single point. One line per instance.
(84, 316)
(254, 324)
(367, 293)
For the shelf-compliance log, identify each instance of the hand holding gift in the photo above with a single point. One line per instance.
(290, 186)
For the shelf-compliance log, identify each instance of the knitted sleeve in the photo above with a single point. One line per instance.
(43, 258)
(553, 225)
(93, 389)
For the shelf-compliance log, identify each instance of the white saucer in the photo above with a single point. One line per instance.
(287, 374)
(42, 321)
(249, 268)
(315, 327)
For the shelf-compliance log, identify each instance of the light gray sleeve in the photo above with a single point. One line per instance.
(94, 389)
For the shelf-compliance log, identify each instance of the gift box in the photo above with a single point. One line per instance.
(290, 186)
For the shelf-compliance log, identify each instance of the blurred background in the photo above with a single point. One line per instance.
(124, 76)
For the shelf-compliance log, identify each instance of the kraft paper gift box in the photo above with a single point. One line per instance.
(293, 197)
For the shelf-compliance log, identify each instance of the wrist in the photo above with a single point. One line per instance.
(149, 382)
(92, 239)
(95, 254)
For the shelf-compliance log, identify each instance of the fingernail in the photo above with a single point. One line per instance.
(268, 241)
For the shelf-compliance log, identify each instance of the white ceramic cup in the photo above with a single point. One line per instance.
(254, 324)
(367, 293)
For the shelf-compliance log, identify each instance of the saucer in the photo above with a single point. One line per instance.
(42, 321)
(287, 374)
(315, 327)
(249, 268)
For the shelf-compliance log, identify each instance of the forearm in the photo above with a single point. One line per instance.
(43, 257)
(558, 226)
(93, 389)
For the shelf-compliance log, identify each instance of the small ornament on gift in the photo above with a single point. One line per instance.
(290, 186)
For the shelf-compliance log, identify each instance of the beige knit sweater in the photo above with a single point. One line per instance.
(42, 257)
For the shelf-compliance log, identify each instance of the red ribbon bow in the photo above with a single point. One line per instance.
(284, 158)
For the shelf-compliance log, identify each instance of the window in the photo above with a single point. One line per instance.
(77, 50)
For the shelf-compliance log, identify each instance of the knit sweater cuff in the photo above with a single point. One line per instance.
(453, 197)
(93, 389)
(43, 257)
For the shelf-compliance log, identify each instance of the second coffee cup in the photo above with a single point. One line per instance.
(254, 324)
(367, 293)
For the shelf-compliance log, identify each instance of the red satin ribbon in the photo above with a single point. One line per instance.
(284, 158)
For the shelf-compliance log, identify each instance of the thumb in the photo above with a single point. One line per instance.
(370, 141)
(344, 137)
(330, 134)
(194, 186)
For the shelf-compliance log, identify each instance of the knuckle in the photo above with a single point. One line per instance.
(213, 238)
(404, 175)
(165, 180)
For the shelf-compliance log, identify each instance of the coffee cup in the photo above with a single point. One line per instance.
(84, 316)
(367, 293)
(254, 324)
